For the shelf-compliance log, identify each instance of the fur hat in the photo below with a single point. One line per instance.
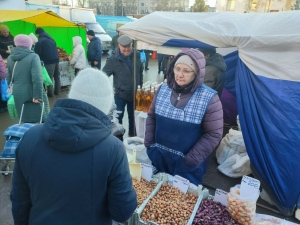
(3, 28)
(33, 38)
(23, 41)
(90, 32)
(39, 30)
(185, 59)
(93, 86)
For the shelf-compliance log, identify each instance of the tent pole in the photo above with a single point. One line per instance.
(134, 80)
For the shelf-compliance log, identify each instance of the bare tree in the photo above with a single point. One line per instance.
(82, 3)
(130, 6)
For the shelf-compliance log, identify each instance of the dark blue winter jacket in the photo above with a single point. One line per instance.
(72, 171)
(46, 49)
(94, 50)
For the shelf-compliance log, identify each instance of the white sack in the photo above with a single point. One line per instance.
(137, 143)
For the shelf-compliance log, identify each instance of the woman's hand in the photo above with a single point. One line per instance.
(36, 100)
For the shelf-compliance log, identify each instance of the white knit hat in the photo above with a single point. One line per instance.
(33, 38)
(93, 86)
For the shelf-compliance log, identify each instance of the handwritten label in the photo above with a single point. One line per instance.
(249, 186)
(221, 196)
(147, 171)
(181, 183)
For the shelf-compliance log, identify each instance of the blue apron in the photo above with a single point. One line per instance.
(177, 131)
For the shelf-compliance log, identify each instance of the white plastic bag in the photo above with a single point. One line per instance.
(238, 122)
(232, 143)
(137, 143)
(236, 166)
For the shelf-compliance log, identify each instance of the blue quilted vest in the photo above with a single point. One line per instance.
(177, 131)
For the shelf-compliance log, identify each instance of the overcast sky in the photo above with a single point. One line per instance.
(192, 2)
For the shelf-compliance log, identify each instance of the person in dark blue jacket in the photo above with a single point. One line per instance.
(47, 51)
(71, 170)
(94, 52)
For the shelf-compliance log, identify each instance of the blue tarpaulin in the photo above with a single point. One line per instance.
(267, 83)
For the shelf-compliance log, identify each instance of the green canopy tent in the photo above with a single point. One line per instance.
(26, 21)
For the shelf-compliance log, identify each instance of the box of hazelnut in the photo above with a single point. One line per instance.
(174, 201)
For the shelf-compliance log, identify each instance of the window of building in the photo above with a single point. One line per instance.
(142, 4)
(230, 5)
(146, 4)
(253, 6)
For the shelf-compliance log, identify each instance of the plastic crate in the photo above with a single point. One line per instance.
(155, 178)
(200, 192)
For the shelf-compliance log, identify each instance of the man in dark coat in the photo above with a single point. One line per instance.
(114, 41)
(71, 170)
(120, 65)
(6, 39)
(214, 69)
(46, 49)
(94, 52)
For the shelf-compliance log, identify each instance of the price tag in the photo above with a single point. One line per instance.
(181, 183)
(249, 186)
(146, 171)
(221, 196)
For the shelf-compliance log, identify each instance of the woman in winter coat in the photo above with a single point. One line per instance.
(25, 71)
(78, 59)
(185, 120)
(71, 170)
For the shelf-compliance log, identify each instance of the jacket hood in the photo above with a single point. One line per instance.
(217, 61)
(45, 35)
(18, 53)
(74, 126)
(76, 41)
(199, 60)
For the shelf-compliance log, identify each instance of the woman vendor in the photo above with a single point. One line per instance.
(6, 39)
(185, 120)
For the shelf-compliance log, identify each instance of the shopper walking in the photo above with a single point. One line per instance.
(185, 120)
(46, 49)
(71, 170)
(78, 59)
(25, 73)
(94, 50)
(120, 65)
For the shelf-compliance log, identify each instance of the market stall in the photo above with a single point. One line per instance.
(266, 83)
(62, 31)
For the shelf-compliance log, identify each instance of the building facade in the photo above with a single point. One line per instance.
(260, 6)
(137, 7)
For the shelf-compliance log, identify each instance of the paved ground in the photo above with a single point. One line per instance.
(213, 179)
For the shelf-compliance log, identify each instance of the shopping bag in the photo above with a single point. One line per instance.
(233, 143)
(4, 87)
(12, 107)
(143, 56)
(46, 78)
